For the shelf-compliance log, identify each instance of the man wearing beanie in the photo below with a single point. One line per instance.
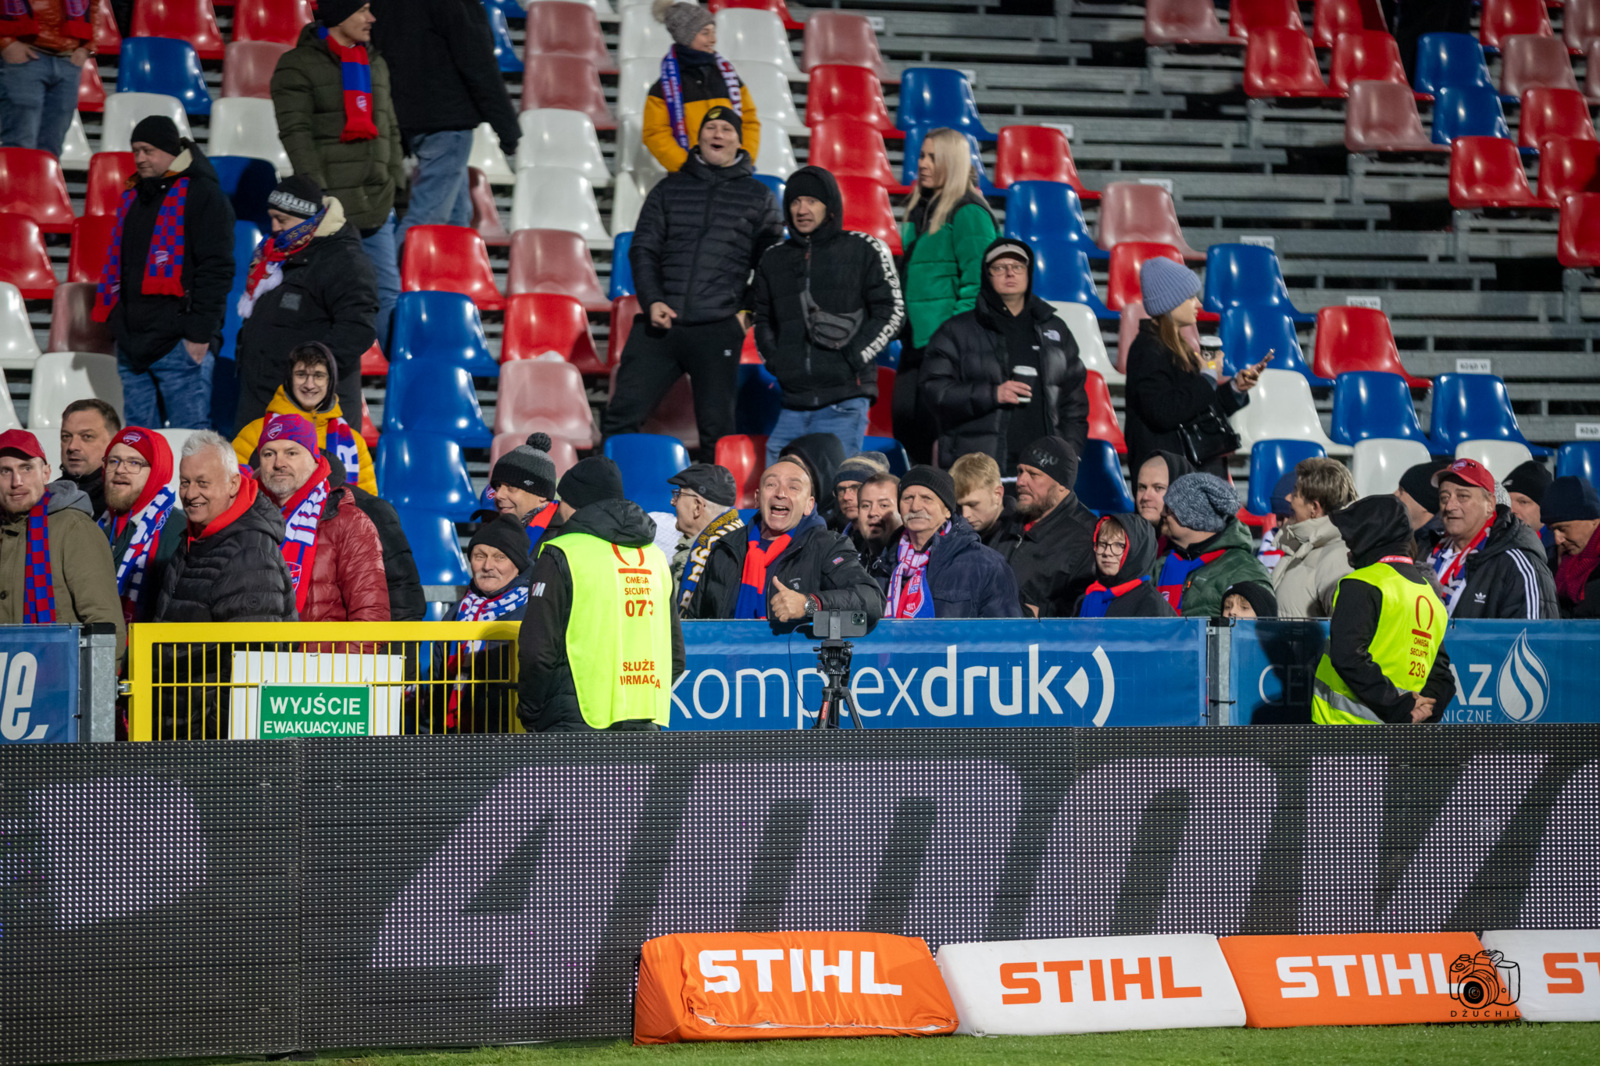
(1007, 372)
(1210, 549)
(694, 80)
(699, 234)
(142, 520)
(497, 557)
(1525, 490)
(1489, 564)
(847, 482)
(937, 567)
(309, 282)
(346, 142)
(827, 302)
(523, 483)
(1421, 499)
(604, 659)
(1050, 545)
(167, 275)
(44, 45)
(1572, 512)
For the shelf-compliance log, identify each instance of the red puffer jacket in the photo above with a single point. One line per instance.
(347, 579)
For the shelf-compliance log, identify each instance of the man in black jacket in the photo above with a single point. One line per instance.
(1007, 372)
(787, 565)
(166, 279)
(1489, 564)
(444, 81)
(1051, 546)
(827, 301)
(700, 233)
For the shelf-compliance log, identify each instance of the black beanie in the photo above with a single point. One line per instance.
(158, 131)
(332, 12)
(721, 113)
(1530, 479)
(805, 182)
(506, 534)
(590, 481)
(528, 467)
(1418, 483)
(1260, 597)
(297, 195)
(1570, 499)
(1055, 457)
(935, 481)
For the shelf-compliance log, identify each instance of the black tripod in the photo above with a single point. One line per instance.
(833, 659)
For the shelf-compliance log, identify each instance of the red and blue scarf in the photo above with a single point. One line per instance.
(266, 265)
(476, 608)
(539, 523)
(163, 265)
(38, 593)
(1449, 566)
(672, 94)
(340, 439)
(301, 515)
(135, 561)
(355, 75)
(1098, 597)
(17, 19)
(753, 581)
(909, 594)
(1175, 575)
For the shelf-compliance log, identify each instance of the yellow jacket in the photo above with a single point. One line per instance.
(244, 445)
(698, 98)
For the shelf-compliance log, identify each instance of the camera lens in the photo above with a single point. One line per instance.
(1473, 993)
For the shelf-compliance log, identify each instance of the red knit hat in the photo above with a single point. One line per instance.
(155, 450)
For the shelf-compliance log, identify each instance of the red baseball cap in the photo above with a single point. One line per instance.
(1468, 472)
(20, 440)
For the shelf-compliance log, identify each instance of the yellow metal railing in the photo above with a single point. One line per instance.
(245, 679)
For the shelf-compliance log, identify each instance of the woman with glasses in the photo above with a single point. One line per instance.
(1124, 553)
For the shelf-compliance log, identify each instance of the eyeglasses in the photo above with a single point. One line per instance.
(133, 465)
(684, 493)
(1007, 266)
(318, 376)
(1106, 547)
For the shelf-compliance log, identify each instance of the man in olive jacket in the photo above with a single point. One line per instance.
(1211, 552)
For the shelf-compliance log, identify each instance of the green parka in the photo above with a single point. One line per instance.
(944, 270)
(1204, 588)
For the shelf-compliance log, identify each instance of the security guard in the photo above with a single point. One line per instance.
(605, 659)
(1385, 660)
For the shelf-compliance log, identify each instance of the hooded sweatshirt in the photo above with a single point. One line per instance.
(249, 438)
(1130, 592)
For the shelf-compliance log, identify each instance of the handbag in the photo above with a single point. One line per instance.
(1207, 437)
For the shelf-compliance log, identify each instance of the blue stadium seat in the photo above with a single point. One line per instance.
(509, 8)
(621, 266)
(163, 65)
(1049, 210)
(246, 236)
(1373, 403)
(1581, 458)
(425, 472)
(890, 356)
(1449, 59)
(1100, 484)
(1269, 461)
(1468, 111)
(893, 450)
(1239, 274)
(931, 97)
(441, 328)
(1473, 407)
(1248, 332)
(912, 146)
(435, 548)
(442, 401)
(760, 401)
(1061, 273)
(647, 460)
(248, 182)
(505, 52)
(775, 183)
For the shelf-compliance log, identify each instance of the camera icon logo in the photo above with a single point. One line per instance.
(1485, 980)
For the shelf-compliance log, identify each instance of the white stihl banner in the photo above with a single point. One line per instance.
(1090, 985)
(1560, 971)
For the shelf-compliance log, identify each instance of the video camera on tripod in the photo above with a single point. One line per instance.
(833, 661)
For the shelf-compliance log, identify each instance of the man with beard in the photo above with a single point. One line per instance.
(937, 567)
(87, 427)
(141, 521)
(1051, 547)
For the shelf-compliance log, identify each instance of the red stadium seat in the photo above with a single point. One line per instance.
(373, 364)
(275, 21)
(1184, 22)
(369, 431)
(567, 83)
(539, 322)
(565, 29)
(623, 311)
(1367, 55)
(1528, 62)
(848, 148)
(1102, 416)
(1499, 19)
(186, 20)
(841, 38)
(835, 91)
(1580, 24)
(1381, 117)
(449, 259)
(555, 260)
(1567, 167)
(867, 210)
(777, 7)
(71, 327)
(107, 39)
(1036, 153)
(1247, 16)
(1487, 172)
(1281, 62)
(547, 396)
(485, 216)
(91, 242)
(1357, 338)
(1548, 113)
(749, 354)
(31, 184)
(1334, 17)
(91, 90)
(247, 69)
(880, 416)
(23, 259)
(107, 173)
(1578, 238)
(1134, 212)
(745, 457)
(1127, 259)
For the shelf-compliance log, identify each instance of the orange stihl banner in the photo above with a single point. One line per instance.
(749, 986)
(1370, 979)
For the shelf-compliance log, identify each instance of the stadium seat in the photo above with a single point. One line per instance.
(1249, 331)
(1468, 111)
(1358, 338)
(75, 150)
(1449, 59)
(1049, 211)
(440, 328)
(1102, 415)
(837, 91)
(424, 472)
(1280, 61)
(31, 184)
(1192, 22)
(559, 198)
(640, 36)
(1100, 485)
(540, 322)
(627, 200)
(1132, 211)
(1378, 462)
(760, 400)
(449, 259)
(842, 38)
(647, 461)
(160, 65)
(568, 83)
(24, 262)
(931, 97)
(1085, 329)
(624, 309)
(485, 219)
(771, 181)
(556, 261)
(107, 38)
(1128, 328)
(552, 137)
(1579, 458)
(544, 395)
(1567, 167)
(1269, 461)
(59, 378)
(880, 416)
(913, 150)
(1487, 172)
(634, 78)
(1238, 274)
(1036, 153)
(673, 415)
(91, 241)
(1548, 113)
(621, 283)
(1333, 18)
(775, 7)
(19, 349)
(1580, 25)
(485, 155)
(1127, 259)
(248, 182)
(426, 397)
(747, 35)
(91, 90)
(745, 457)
(373, 362)
(566, 29)
(892, 450)
(246, 239)
(1578, 236)
(1281, 408)
(184, 20)
(1245, 17)
(1367, 55)
(848, 148)
(244, 125)
(125, 110)
(435, 547)
(1061, 274)
(1381, 118)
(270, 21)
(775, 159)
(1500, 456)
(768, 86)
(867, 210)
(1528, 62)
(505, 50)
(561, 453)
(1498, 19)
(1473, 407)
(71, 327)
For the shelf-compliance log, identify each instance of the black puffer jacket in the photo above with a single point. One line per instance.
(847, 273)
(1144, 600)
(1054, 560)
(967, 579)
(442, 69)
(1163, 396)
(236, 574)
(1508, 577)
(699, 235)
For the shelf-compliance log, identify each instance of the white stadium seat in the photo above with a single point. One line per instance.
(59, 378)
(125, 111)
(19, 348)
(749, 35)
(1281, 408)
(1500, 456)
(1091, 345)
(776, 156)
(552, 137)
(247, 126)
(774, 102)
(486, 154)
(558, 198)
(1379, 461)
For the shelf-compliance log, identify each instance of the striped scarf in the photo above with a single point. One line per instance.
(135, 561)
(266, 266)
(700, 551)
(163, 265)
(38, 592)
(476, 608)
(909, 595)
(1449, 565)
(340, 439)
(355, 75)
(753, 581)
(301, 514)
(672, 94)
(17, 19)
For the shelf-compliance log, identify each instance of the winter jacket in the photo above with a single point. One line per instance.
(1161, 396)
(51, 34)
(407, 602)
(348, 582)
(703, 88)
(547, 698)
(847, 273)
(92, 485)
(481, 703)
(329, 294)
(967, 579)
(1053, 559)
(698, 237)
(1507, 576)
(968, 359)
(233, 573)
(308, 98)
(443, 74)
(817, 562)
(1314, 559)
(1204, 588)
(1143, 600)
(249, 438)
(944, 269)
(166, 547)
(148, 327)
(83, 578)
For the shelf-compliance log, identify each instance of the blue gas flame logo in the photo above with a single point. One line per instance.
(1524, 683)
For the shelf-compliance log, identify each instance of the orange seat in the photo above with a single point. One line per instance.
(31, 184)
(745, 457)
(1487, 172)
(71, 327)
(1333, 17)
(835, 91)
(1382, 117)
(1184, 22)
(544, 395)
(842, 38)
(880, 416)
(107, 38)
(485, 215)
(91, 90)
(561, 453)
(1578, 237)
(565, 29)
(853, 149)
(1498, 19)
(1528, 61)
(777, 7)
(247, 69)
(1247, 16)
(1036, 153)
(1127, 259)
(1280, 61)
(1133, 212)
(539, 322)
(1548, 113)
(1102, 416)
(555, 260)
(1357, 338)
(623, 311)
(373, 362)
(1580, 24)
(23, 259)
(91, 243)
(568, 83)
(273, 21)
(449, 259)
(867, 210)
(108, 172)
(1567, 167)
(185, 20)
(1367, 55)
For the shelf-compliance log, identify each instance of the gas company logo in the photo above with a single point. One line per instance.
(1521, 687)
(20, 671)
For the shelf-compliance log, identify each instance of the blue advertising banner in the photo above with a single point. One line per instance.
(1507, 671)
(38, 684)
(966, 673)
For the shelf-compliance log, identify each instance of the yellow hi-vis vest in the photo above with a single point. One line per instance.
(619, 636)
(1411, 624)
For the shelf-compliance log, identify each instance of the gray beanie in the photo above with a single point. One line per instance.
(1202, 502)
(528, 467)
(683, 21)
(1165, 285)
(861, 466)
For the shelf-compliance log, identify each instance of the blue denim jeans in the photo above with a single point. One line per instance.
(846, 420)
(182, 385)
(439, 193)
(37, 100)
(384, 251)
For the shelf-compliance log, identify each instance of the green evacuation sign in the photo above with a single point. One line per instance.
(315, 711)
